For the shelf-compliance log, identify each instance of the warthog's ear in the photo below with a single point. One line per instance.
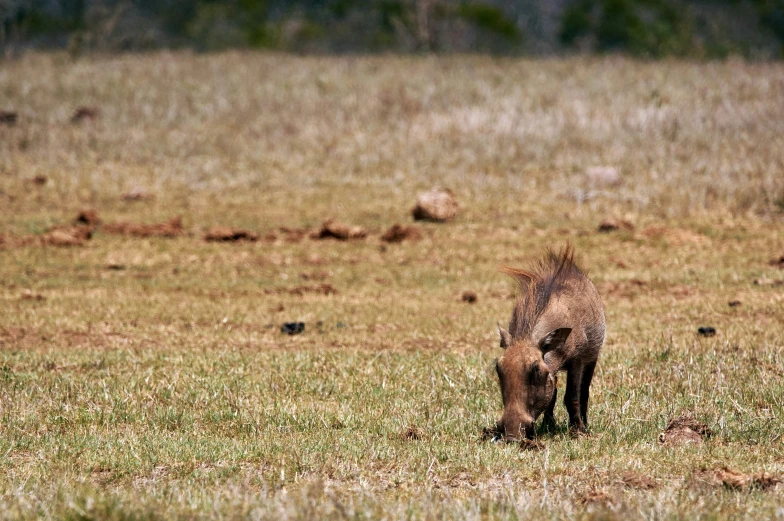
(506, 338)
(554, 339)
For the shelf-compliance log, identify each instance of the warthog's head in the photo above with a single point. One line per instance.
(527, 387)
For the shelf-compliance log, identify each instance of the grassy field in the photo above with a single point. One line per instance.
(148, 378)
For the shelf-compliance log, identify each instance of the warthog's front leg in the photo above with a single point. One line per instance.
(549, 413)
(572, 396)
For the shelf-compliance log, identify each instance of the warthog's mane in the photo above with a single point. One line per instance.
(538, 284)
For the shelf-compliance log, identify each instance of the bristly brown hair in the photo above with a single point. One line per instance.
(538, 284)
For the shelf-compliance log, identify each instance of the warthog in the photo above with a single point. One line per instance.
(557, 325)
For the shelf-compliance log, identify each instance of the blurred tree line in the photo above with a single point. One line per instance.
(649, 28)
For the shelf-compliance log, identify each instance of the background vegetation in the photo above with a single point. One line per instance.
(649, 28)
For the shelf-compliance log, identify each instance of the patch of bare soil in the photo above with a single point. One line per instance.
(342, 232)
(436, 205)
(398, 233)
(85, 114)
(228, 234)
(674, 236)
(631, 479)
(317, 289)
(683, 430)
(292, 235)
(469, 297)
(316, 275)
(723, 476)
(169, 229)
(613, 225)
(8, 117)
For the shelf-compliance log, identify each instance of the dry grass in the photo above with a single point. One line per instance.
(146, 377)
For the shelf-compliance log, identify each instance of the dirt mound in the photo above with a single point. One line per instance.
(723, 476)
(399, 233)
(87, 217)
(171, 228)
(74, 235)
(612, 225)
(412, 433)
(684, 429)
(437, 205)
(85, 114)
(335, 230)
(8, 117)
(228, 234)
(777, 262)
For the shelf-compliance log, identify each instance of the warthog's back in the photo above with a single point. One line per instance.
(557, 294)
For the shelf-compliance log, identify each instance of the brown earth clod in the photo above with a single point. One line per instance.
(777, 262)
(398, 233)
(169, 229)
(87, 217)
(342, 232)
(85, 114)
(67, 236)
(436, 205)
(723, 476)
(228, 234)
(612, 225)
(469, 297)
(412, 433)
(8, 117)
(683, 430)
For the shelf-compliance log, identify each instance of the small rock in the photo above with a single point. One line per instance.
(85, 113)
(292, 328)
(706, 331)
(734, 303)
(88, 217)
(8, 117)
(603, 176)
(437, 205)
(469, 297)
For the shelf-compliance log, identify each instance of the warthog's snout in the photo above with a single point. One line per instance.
(516, 427)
